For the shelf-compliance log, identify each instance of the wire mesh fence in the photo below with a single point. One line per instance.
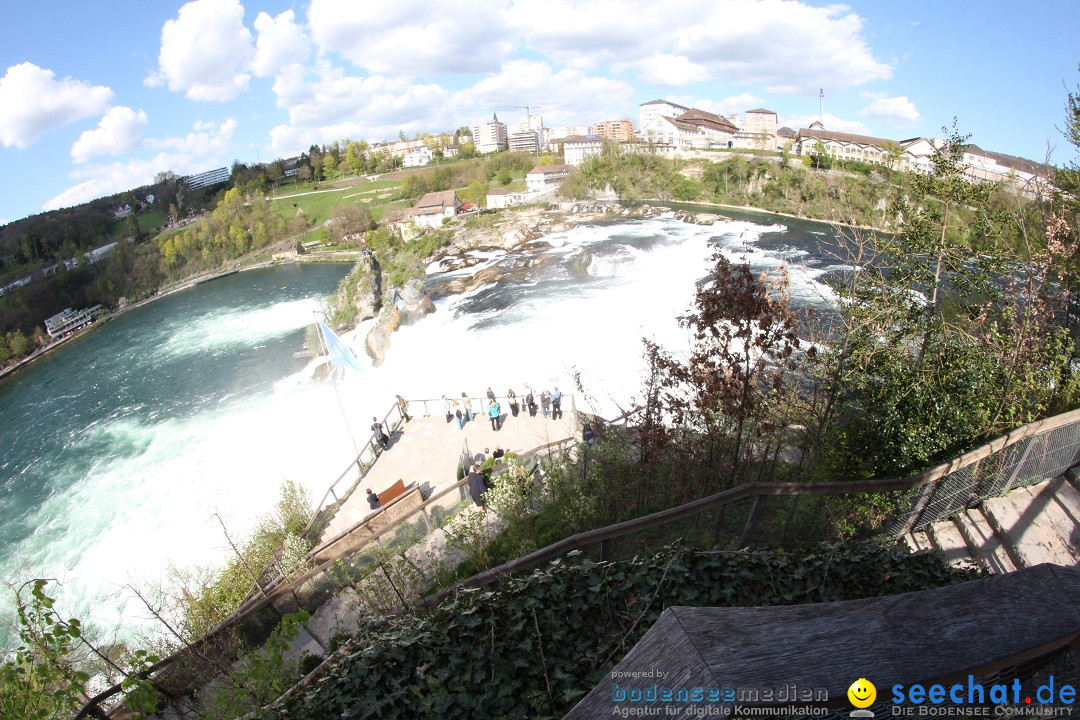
(392, 570)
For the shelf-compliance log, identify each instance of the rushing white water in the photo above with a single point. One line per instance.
(204, 409)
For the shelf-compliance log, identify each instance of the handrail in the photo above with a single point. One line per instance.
(732, 495)
(652, 520)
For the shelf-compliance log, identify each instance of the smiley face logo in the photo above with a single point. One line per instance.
(862, 693)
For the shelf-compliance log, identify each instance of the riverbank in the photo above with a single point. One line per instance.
(107, 317)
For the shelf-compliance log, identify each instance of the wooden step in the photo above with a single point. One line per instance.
(985, 545)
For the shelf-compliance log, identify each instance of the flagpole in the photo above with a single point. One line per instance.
(318, 329)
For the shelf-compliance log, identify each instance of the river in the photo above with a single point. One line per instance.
(121, 447)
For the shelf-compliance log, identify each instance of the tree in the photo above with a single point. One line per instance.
(274, 172)
(744, 342)
(39, 678)
(820, 159)
(329, 165)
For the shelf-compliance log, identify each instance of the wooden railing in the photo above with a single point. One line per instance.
(1033, 461)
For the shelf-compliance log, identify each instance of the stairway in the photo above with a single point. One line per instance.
(1028, 526)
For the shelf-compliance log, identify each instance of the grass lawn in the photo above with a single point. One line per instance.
(319, 206)
(149, 222)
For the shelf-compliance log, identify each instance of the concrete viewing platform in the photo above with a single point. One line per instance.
(427, 451)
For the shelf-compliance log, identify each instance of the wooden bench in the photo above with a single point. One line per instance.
(932, 636)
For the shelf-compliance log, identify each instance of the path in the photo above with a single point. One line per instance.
(1030, 525)
(427, 450)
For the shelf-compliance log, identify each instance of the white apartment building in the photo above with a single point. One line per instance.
(576, 149)
(649, 111)
(418, 157)
(525, 141)
(490, 136)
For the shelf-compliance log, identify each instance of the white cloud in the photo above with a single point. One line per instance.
(571, 96)
(670, 70)
(413, 36)
(206, 52)
(281, 42)
(727, 106)
(206, 138)
(896, 111)
(119, 130)
(206, 147)
(326, 104)
(831, 122)
(33, 102)
(785, 45)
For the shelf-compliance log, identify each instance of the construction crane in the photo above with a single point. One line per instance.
(528, 115)
(527, 108)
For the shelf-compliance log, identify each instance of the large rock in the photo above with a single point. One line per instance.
(361, 292)
(413, 302)
(378, 338)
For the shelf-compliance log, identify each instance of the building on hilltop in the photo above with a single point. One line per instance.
(578, 148)
(418, 157)
(758, 132)
(433, 208)
(546, 177)
(490, 136)
(649, 111)
(693, 129)
(617, 130)
(525, 141)
(535, 123)
(550, 135)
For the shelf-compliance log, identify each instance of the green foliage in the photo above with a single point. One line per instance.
(934, 356)
(479, 655)
(261, 677)
(39, 679)
(207, 603)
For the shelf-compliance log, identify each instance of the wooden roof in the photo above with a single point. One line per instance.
(977, 627)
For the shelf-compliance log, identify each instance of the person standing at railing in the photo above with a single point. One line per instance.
(377, 428)
(494, 411)
(459, 415)
(530, 401)
(466, 403)
(545, 402)
(477, 486)
(556, 404)
(512, 399)
(449, 408)
(403, 407)
(490, 394)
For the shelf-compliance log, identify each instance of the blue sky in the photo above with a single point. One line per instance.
(99, 97)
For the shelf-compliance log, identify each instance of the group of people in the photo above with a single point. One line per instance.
(550, 404)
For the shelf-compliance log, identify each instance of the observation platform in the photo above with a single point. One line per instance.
(427, 450)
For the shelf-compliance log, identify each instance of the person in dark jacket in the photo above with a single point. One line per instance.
(588, 435)
(377, 428)
(477, 486)
(512, 399)
(373, 500)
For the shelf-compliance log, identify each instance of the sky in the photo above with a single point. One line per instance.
(98, 97)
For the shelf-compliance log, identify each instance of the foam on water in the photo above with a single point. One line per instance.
(157, 475)
(216, 330)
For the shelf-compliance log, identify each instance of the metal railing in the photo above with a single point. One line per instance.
(309, 590)
(775, 514)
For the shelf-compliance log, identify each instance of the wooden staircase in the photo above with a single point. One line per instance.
(1028, 526)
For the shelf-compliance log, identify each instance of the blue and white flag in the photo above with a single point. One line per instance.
(340, 354)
